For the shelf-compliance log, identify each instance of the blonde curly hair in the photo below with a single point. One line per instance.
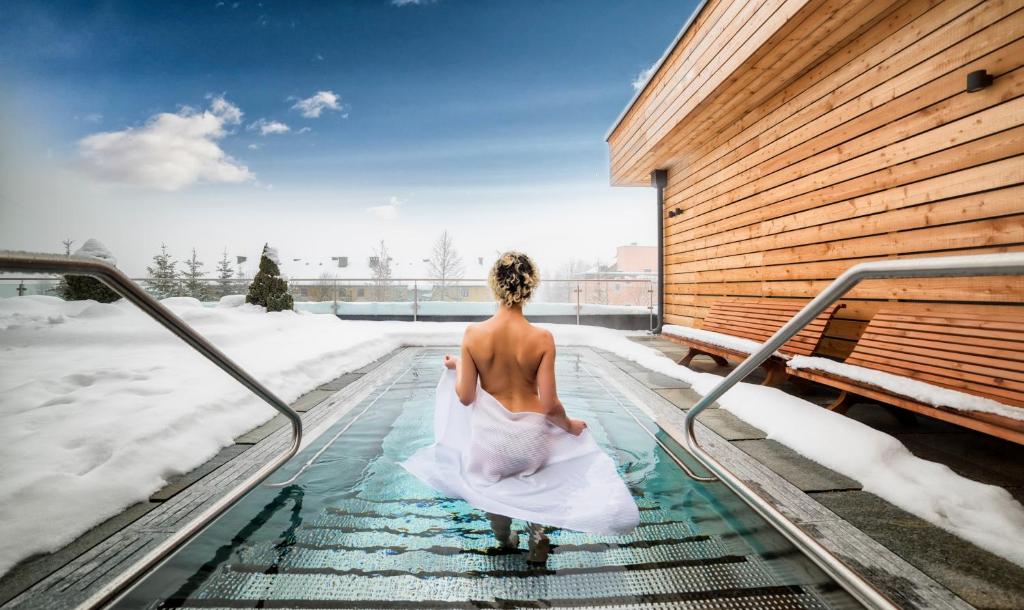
(513, 278)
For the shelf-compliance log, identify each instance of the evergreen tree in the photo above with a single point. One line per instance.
(268, 288)
(163, 276)
(84, 287)
(194, 285)
(224, 275)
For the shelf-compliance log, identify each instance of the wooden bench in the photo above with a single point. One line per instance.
(755, 321)
(974, 353)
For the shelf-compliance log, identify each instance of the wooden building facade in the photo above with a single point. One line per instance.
(801, 137)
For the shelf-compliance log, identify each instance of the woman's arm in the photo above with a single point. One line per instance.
(465, 373)
(549, 395)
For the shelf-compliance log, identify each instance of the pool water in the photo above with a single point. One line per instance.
(357, 531)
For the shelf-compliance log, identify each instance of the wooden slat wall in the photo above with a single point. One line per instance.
(874, 150)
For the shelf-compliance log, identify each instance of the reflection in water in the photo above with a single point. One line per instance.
(283, 547)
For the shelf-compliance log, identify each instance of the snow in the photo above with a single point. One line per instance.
(271, 253)
(737, 344)
(910, 388)
(99, 406)
(230, 300)
(92, 248)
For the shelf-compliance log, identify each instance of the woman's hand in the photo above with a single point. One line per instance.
(450, 361)
(577, 426)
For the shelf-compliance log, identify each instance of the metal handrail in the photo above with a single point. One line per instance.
(944, 266)
(30, 262)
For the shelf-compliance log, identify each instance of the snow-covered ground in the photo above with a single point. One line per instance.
(99, 406)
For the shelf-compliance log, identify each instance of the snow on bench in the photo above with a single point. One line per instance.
(913, 389)
(736, 344)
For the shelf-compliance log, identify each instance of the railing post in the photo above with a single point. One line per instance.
(415, 301)
(334, 307)
(577, 303)
(650, 303)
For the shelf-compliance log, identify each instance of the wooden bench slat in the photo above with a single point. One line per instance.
(971, 320)
(759, 328)
(924, 342)
(947, 335)
(781, 315)
(992, 386)
(992, 369)
(811, 328)
(932, 352)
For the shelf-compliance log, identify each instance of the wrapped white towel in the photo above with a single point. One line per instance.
(521, 465)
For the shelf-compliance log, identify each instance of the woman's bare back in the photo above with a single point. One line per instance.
(515, 363)
(508, 351)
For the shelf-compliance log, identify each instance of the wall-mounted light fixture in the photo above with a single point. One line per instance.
(978, 80)
(675, 212)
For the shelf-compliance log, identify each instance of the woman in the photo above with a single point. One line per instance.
(514, 452)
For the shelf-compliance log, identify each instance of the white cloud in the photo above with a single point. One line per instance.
(311, 107)
(228, 112)
(388, 211)
(171, 151)
(411, 2)
(253, 147)
(266, 127)
(305, 130)
(642, 78)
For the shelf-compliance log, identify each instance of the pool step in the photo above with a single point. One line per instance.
(326, 588)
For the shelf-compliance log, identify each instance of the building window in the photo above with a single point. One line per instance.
(361, 292)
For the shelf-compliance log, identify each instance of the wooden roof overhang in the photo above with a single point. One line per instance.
(729, 59)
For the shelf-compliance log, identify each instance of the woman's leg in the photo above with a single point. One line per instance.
(540, 544)
(502, 527)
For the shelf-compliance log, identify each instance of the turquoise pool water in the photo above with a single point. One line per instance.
(357, 531)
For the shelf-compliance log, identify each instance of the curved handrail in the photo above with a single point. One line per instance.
(31, 262)
(943, 266)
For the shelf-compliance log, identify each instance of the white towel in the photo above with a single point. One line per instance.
(522, 466)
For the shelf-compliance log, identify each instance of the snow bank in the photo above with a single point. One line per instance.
(737, 344)
(99, 406)
(910, 388)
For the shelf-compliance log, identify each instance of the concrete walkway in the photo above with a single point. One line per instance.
(977, 576)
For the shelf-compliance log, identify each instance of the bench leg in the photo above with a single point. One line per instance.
(693, 352)
(720, 361)
(775, 374)
(842, 403)
(686, 359)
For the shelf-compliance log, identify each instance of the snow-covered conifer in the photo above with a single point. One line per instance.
(192, 278)
(268, 288)
(224, 276)
(84, 287)
(164, 279)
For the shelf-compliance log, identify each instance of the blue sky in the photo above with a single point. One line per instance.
(142, 122)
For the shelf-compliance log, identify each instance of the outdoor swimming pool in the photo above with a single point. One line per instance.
(357, 531)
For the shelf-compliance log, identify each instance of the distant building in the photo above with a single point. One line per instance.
(627, 281)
